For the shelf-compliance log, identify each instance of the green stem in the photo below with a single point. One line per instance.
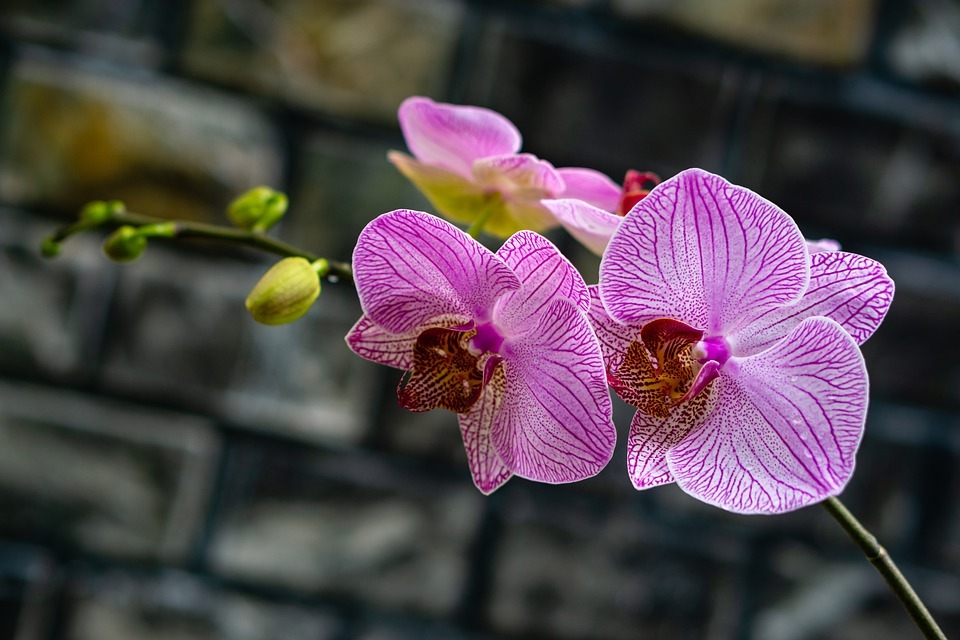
(883, 563)
(186, 229)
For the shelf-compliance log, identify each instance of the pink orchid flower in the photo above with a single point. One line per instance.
(466, 161)
(738, 347)
(593, 224)
(502, 339)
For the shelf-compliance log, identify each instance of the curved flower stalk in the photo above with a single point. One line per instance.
(738, 347)
(501, 339)
(466, 161)
(593, 225)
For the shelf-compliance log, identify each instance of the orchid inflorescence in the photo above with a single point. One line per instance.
(736, 340)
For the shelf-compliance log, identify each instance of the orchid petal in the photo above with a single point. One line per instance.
(454, 136)
(369, 341)
(614, 338)
(411, 268)
(784, 425)
(591, 186)
(545, 275)
(651, 438)
(592, 227)
(703, 251)
(555, 421)
(821, 245)
(527, 173)
(454, 196)
(488, 471)
(848, 288)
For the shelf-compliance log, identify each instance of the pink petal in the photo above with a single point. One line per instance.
(592, 227)
(369, 341)
(545, 275)
(783, 427)
(705, 252)
(411, 268)
(823, 244)
(488, 471)
(523, 174)
(454, 136)
(591, 186)
(614, 338)
(651, 438)
(555, 421)
(848, 288)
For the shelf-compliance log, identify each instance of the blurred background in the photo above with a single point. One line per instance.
(171, 470)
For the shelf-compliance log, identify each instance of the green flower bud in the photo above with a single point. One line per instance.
(125, 244)
(98, 211)
(285, 292)
(258, 209)
(50, 248)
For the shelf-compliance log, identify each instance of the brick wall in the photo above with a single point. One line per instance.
(170, 469)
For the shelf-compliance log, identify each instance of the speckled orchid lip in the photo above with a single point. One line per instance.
(502, 339)
(773, 418)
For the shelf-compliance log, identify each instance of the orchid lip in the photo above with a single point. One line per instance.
(715, 348)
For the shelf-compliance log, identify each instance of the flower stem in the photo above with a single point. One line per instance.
(187, 229)
(883, 563)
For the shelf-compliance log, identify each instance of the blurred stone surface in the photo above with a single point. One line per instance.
(607, 112)
(619, 577)
(174, 606)
(344, 183)
(356, 58)
(817, 31)
(926, 46)
(114, 29)
(182, 333)
(80, 473)
(305, 523)
(69, 135)
(52, 312)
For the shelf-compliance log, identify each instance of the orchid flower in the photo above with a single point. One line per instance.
(593, 225)
(501, 339)
(466, 161)
(737, 346)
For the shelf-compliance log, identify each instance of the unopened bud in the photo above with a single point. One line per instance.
(285, 292)
(125, 244)
(258, 209)
(50, 248)
(98, 211)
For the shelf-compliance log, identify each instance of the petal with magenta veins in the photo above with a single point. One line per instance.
(487, 469)
(821, 245)
(651, 437)
(523, 172)
(454, 136)
(410, 268)
(555, 421)
(371, 342)
(783, 427)
(545, 274)
(590, 186)
(445, 374)
(848, 288)
(590, 226)
(614, 338)
(703, 251)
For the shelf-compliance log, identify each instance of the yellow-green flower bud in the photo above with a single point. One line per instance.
(50, 248)
(98, 211)
(124, 244)
(257, 209)
(285, 292)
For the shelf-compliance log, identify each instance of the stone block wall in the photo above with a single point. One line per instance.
(170, 469)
